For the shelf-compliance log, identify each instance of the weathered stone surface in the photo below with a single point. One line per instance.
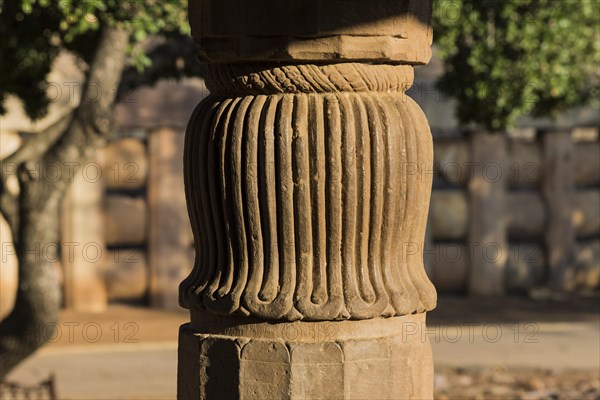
(125, 220)
(374, 359)
(126, 166)
(312, 30)
(126, 274)
(308, 184)
(306, 196)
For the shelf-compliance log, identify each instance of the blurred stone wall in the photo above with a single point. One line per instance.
(125, 234)
(146, 237)
(449, 254)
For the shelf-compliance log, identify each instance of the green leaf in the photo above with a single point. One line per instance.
(542, 59)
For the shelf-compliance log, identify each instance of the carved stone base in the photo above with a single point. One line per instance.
(231, 358)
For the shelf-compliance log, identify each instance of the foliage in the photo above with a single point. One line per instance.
(508, 58)
(34, 32)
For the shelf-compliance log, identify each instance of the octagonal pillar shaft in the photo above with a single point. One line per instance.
(308, 178)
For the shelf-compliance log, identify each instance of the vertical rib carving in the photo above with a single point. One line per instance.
(309, 205)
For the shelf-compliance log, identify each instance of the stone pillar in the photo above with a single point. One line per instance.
(487, 236)
(83, 240)
(169, 235)
(558, 189)
(308, 177)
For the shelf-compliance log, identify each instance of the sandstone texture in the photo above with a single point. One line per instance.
(308, 178)
(373, 359)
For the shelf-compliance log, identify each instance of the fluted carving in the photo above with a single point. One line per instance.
(308, 189)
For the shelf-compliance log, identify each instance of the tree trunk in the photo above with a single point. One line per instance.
(34, 318)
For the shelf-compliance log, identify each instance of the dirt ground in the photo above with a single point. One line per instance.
(559, 322)
(515, 383)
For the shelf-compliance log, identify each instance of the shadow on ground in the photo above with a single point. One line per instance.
(513, 309)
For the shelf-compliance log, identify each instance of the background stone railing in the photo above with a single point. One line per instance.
(145, 238)
(528, 172)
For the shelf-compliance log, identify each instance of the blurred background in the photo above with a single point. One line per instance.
(515, 260)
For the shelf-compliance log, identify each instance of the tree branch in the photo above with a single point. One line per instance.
(31, 150)
(93, 120)
(37, 301)
(9, 208)
(70, 138)
(40, 142)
